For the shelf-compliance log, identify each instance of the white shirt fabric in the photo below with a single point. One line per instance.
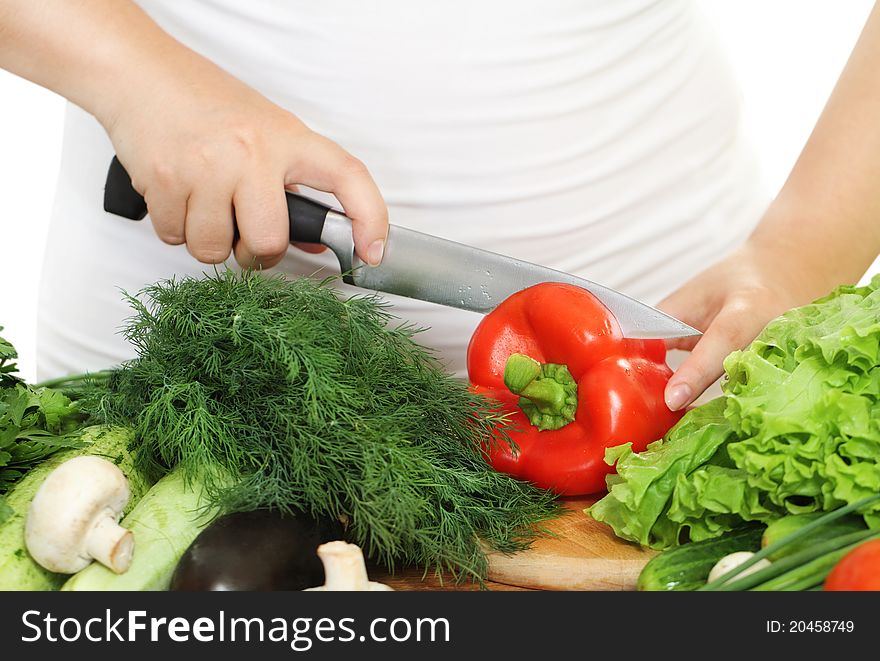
(599, 138)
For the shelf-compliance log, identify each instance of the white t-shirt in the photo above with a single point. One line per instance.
(599, 138)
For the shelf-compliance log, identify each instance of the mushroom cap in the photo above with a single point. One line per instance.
(66, 508)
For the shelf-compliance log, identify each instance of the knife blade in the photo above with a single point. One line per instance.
(426, 267)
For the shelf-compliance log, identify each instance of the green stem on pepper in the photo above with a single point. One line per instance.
(548, 392)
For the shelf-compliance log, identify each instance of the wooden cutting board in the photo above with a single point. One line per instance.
(583, 555)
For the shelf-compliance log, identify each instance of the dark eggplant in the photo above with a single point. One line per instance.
(261, 550)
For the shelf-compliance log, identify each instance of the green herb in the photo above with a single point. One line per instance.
(795, 432)
(7, 367)
(804, 568)
(34, 423)
(319, 404)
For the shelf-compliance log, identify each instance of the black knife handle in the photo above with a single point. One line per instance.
(119, 196)
(306, 216)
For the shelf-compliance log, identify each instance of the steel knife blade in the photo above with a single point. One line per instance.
(427, 267)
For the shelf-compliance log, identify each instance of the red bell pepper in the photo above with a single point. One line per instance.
(557, 361)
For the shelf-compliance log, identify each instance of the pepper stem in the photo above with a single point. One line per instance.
(548, 392)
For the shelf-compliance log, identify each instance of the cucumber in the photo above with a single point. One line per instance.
(783, 527)
(18, 571)
(164, 523)
(687, 567)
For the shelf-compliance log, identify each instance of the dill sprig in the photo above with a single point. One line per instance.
(319, 404)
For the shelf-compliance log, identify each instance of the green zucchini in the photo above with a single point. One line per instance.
(164, 523)
(783, 527)
(18, 571)
(687, 567)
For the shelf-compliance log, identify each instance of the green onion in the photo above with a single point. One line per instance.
(794, 560)
(798, 561)
(812, 573)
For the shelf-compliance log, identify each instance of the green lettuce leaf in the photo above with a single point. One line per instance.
(797, 430)
(638, 495)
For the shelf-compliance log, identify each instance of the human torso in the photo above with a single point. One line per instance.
(594, 137)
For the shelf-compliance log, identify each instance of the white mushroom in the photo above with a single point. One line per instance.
(74, 516)
(345, 570)
(733, 560)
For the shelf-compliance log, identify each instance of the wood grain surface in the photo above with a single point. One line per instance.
(582, 554)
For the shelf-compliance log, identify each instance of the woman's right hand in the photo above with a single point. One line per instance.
(210, 154)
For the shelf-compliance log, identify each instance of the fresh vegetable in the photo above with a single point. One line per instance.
(795, 433)
(73, 518)
(556, 360)
(805, 576)
(345, 569)
(18, 571)
(687, 567)
(804, 569)
(800, 571)
(651, 498)
(256, 551)
(316, 404)
(734, 560)
(858, 570)
(780, 528)
(7, 367)
(35, 422)
(164, 523)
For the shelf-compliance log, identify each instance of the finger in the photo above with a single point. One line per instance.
(732, 329)
(167, 207)
(263, 226)
(328, 167)
(209, 225)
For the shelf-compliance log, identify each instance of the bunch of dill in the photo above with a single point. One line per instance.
(318, 404)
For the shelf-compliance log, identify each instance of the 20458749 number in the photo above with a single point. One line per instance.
(811, 626)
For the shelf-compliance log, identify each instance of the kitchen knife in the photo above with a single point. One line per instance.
(426, 267)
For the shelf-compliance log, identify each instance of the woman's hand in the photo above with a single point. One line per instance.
(821, 231)
(211, 155)
(731, 302)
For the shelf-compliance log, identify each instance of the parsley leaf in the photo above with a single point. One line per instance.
(34, 422)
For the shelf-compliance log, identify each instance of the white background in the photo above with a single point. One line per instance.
(787, 55)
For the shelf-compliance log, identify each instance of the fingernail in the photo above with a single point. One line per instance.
(375, 252)
(679, 396)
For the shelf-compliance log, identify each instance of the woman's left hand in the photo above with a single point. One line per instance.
(820, 231)
(731, 302)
